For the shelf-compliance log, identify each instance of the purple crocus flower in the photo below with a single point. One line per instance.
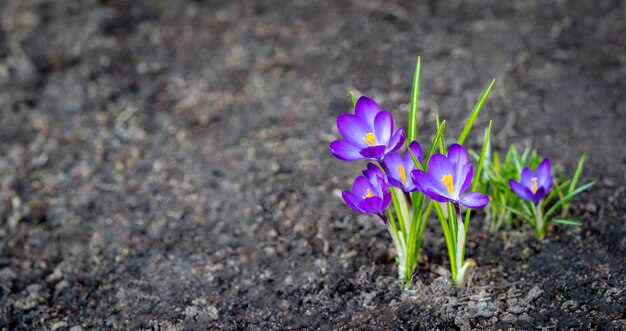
(368, 134)
(448, 178)
(399, 168)
(534, 185)
(369, 195)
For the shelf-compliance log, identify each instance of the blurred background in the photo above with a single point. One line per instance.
(164, 164)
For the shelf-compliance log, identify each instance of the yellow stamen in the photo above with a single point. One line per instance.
(447, 181)
(370, 139)
(402, 174)
(533, 187)
(369, 194)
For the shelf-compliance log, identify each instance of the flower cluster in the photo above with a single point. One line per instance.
(368, 135)
(403, 184)
(398, 177)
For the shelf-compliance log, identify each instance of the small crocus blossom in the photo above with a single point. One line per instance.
(369, 195)
(447, 179)
(368, 134)
(534, 185)
(373, 170)
(399, 168)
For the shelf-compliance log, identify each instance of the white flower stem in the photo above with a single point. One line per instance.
(460, 244)
(540, 227)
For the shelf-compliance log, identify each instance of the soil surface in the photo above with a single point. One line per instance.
(164, 164)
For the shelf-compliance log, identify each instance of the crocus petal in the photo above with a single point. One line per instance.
(360, 186)
(543, 173)
(353, 130)
(424, 181)
(520, 190)
(378, 186)
(344, 151)
(351, 200)
(373, 152)
(547, 185)
(383, 127)
(474, 200)
(457, 156)
(436, 196)
(372, 170)
(417, 151)
(394, 182)
(386, 199)
(540, 194)
(527, 176)
(410, 188)
(464, 178)
(396, 141)
(366, 109)
(439, 166)
(392, 161)
(371, 205)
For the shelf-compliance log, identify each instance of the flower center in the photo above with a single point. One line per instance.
(370, 139)
(533, 186)
(447, 181)
(368, 194)
(402, 174)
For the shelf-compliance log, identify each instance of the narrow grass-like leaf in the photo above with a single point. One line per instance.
(433, 145)
(475, 112)
(559, 189)
(565, 198)
(570, 222)
(518, 213)
(476, 179)
(479, 167)
(450, 244)
(577, 173)
(417, 163)
(415, 95)
(399, 211)
(392, 221)
(353, 98)
(452, 221)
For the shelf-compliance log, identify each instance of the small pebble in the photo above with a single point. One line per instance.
(58, 325)
(509, 318)
(534, 294)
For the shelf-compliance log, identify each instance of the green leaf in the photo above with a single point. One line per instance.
(566, 198)
(434, 143)
(475, 112)
(518, 213)
(447, 236)
(496, 161)
(570, 222)
(415, 95)
(481, 160)
(353, 98)
(395, 199)
(579, 169)
(442, 143)
(479, 167)
(417, 163)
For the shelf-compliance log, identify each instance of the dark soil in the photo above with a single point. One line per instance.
(164, 164)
